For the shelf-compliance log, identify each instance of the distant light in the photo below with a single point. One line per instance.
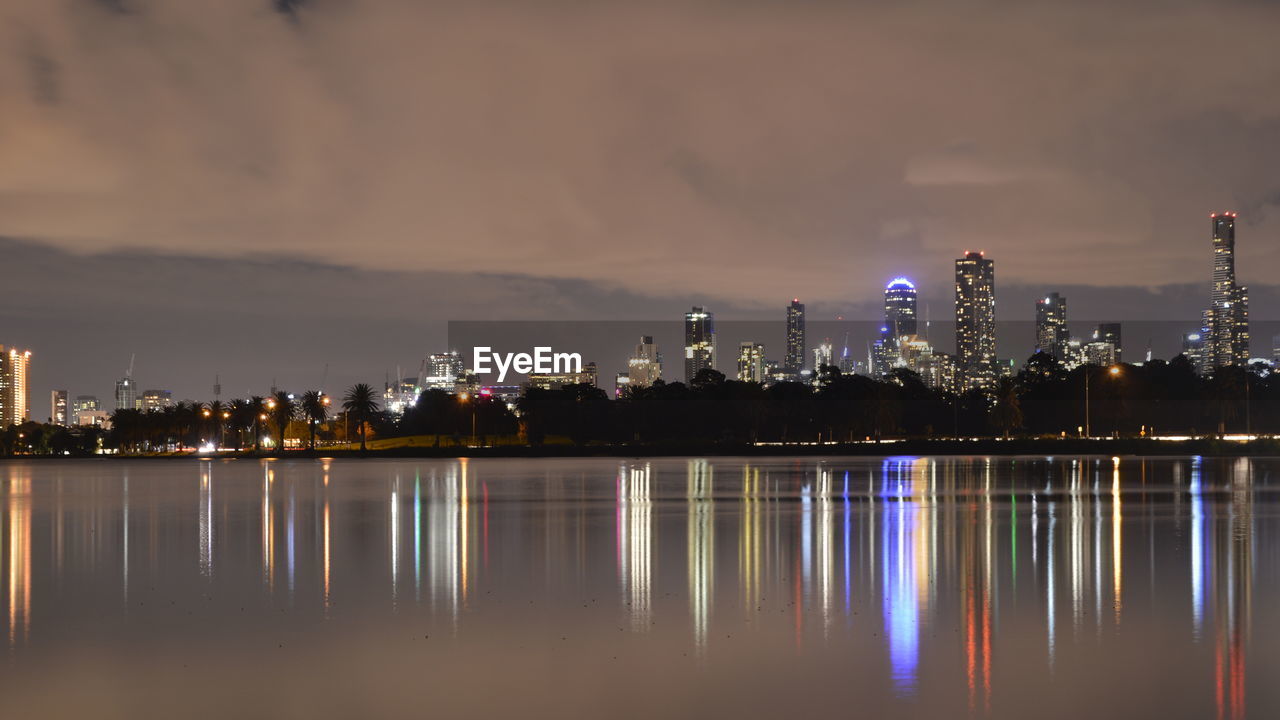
(900, 282)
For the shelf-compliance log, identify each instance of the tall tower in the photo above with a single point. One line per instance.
(1227, 319)
(15, 395)
(794, 361)
(1051, 326)
(976, 321)
(751, 362)
(900, 307)
(699, 342)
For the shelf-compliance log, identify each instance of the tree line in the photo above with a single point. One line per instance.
(1043, 400)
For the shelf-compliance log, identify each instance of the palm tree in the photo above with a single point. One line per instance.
(243, 417)
(361, 402)
(282, 409)
(217, 415)
(315, 407)
(258, 403)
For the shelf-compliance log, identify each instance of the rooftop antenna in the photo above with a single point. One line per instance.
(217, 387)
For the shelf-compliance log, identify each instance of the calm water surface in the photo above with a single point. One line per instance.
(899, 587)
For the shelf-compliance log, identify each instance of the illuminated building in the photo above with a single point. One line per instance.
(794, 360)
(156, 400)
(1193, 348)
(645, 367)
(1100, 353)
(1227, 318)
(976, 321)
(900, 307)
(15, 395)
(398, 396)
(1109, 333)
(699, 342)
(937, 370)
(1275, 348)
(85, 403)
(823, 355)
(58, 414)
(126, 394)
(621, 382)
(751, 362)
(554, 381)
(95, 418)
(440, 371)
(1052, 335)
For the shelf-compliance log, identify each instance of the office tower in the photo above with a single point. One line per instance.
(440, 371)
(86, 403)
(938, 371)
(1275, 348)
(751, 362)
(1109, 333)
(794, 360)
(644, 368)
(126, 394)
(621, 382)
(1051, 326)
(824, 354)
(1099, 352)
(1193, 348)
(15, 405)
(1227, 319)
(975, 321)
(699, 342)
(156, 400)
(588, 375)
(900, 307)
(58, 414)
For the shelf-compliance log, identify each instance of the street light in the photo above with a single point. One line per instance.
(465, 397)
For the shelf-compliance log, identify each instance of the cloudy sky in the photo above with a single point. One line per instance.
(256, 187)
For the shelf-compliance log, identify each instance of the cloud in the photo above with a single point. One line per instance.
(747, 151)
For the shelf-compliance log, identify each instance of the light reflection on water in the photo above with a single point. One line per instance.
(958, 584)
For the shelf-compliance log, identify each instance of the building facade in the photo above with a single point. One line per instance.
(1110, 333)
(1052, 335)
(975, 321)
(1226, 321)
(699, 342)
(751, 362)
(794, 360)
(15, 393)
(59, 412)
(900, 307)
(644, 368)
(126, 394)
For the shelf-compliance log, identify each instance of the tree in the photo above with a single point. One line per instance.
(1008, 408)
(361, 402)
(282, 409)
(315, 407)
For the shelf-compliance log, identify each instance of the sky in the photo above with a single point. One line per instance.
(263, 188)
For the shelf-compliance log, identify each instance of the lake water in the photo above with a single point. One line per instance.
(726, 587)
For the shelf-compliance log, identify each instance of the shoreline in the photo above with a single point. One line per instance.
(987, 447)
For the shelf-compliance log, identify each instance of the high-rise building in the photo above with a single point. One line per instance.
(644, 368)
(1051, 326)
(86, 403)
(751, 362)
(975, 321)
(15, 395)
(126, 394)
(900, 307)
(1100, 352)
(156, 400)
(794, 360)
(1193, 348)
(440, 371)
(588, 375)
(1110, 333)
(1227, 319)
(1275, 348)
(823, 354)
(58, 410)
(699, 342)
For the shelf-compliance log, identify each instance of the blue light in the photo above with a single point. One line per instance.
(900, 282)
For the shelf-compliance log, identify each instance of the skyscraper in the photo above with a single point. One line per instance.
(975, 321)
(794, 360)
(1227, 319)
(645, 367)
(1193, 348)
(126, 394)
(751, 362)
(15, 405)
(699, 342)
(156, 400)
(900, 307)
(58, 407)
(1109, 333)
(1051, 326)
